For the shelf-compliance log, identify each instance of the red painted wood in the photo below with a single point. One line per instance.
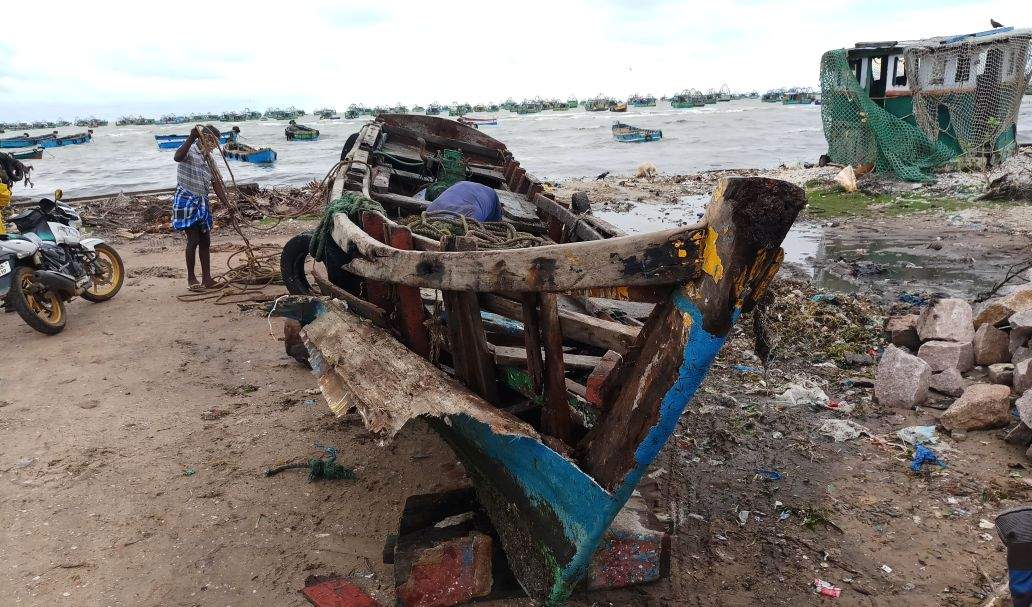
(412, 314)
(377, 292)
(337, 593)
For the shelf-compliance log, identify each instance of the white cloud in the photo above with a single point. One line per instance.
(113, 57)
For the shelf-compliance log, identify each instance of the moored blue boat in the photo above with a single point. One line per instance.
(56, 142)
(632, 134)
(23, 142)
(172, 142)
(246, 153)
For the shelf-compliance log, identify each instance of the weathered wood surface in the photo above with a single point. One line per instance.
(411, 314)
(471, 353)
(576, 326)
(517, 357)
(555, 417)
(532, 341)
(361, 365)
(665, 257)
(747, 220)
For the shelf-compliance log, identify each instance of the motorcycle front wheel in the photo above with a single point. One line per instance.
(44, 310)
(110, 278)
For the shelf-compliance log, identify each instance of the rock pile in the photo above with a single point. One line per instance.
(981, 357)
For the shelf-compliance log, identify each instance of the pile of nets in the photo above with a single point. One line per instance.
(965, 94)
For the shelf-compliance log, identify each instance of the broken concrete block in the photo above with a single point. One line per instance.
(1023, 376)
(991, 345)
(1001, 373)
(980, 407)
(1021, 321)
(1022, 353)
(941, 355)
(997, 310)
(1024, 407)
(901, 379)
(949, 382)
(946, 319)
(902, 331)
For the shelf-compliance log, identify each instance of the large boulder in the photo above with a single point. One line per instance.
(946, 319)
(941, 355)
(991, 345)
(1023, 376)
(1024, 407)
(997, 310)
(901, 379)
(981, 407)
(902, 331)
(949, 382)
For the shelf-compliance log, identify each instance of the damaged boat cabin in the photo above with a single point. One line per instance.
(908, 106)
(553, 353)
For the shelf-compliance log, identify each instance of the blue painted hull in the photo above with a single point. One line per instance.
(638, 138)
(262, 156)
(20, 142)
(172, 142)
(63, 141)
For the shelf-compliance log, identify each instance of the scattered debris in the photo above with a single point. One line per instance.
(923, 455)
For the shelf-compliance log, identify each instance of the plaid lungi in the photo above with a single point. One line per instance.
(189, 210)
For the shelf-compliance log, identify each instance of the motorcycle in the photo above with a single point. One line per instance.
(48, 262)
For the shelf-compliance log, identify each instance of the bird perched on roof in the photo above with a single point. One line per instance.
(602, 176)
(995, 23)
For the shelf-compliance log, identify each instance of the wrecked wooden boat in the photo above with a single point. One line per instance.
(554, 361)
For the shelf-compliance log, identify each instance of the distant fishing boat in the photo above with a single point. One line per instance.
(172, 142)
(617, 107)
(33, 154)
(642, 100)
(56, 142)
(300, 132)
(687, 98)
(798, 97)
(631, 134)
(598, 104)
(478, 121)
(246, 153)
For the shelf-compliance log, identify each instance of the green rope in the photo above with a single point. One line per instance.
(453, 170)
(487, 234)
(351, 204)
(318, 469)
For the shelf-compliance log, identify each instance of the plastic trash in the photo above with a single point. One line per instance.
(923, 455)
(826, 589)
(847, 179)
(772, 475)
(841, 430)
(916, 435)
(746, 369)
(804, 393)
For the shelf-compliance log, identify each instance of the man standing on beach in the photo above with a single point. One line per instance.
(191, 210)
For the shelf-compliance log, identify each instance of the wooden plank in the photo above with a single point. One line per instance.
(532, 341)
(665, 257)
(518, 357)
(576, 326)
(471, 353)
(573, 223)
(555, 417)
(412, 315)
(376, 290)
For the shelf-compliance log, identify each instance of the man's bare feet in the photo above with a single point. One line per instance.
(209, 283)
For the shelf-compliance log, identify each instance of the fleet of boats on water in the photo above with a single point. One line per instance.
(32, 146)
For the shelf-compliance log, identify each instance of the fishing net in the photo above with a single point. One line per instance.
(960, 101)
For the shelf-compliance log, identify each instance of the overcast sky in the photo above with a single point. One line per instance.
(74, 58)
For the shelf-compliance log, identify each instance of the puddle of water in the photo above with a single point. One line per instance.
(801, 245)
(910, 265)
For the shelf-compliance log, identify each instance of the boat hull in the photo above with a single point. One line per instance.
(36, 154)
(172, 142)
(64, 141)
(262, 156)
(19, 142)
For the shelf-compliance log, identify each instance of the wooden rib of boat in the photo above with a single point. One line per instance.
(241, 151)
(56, 142)
(632, 134)
(512, 374)
(33, 154)
(300, 132)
